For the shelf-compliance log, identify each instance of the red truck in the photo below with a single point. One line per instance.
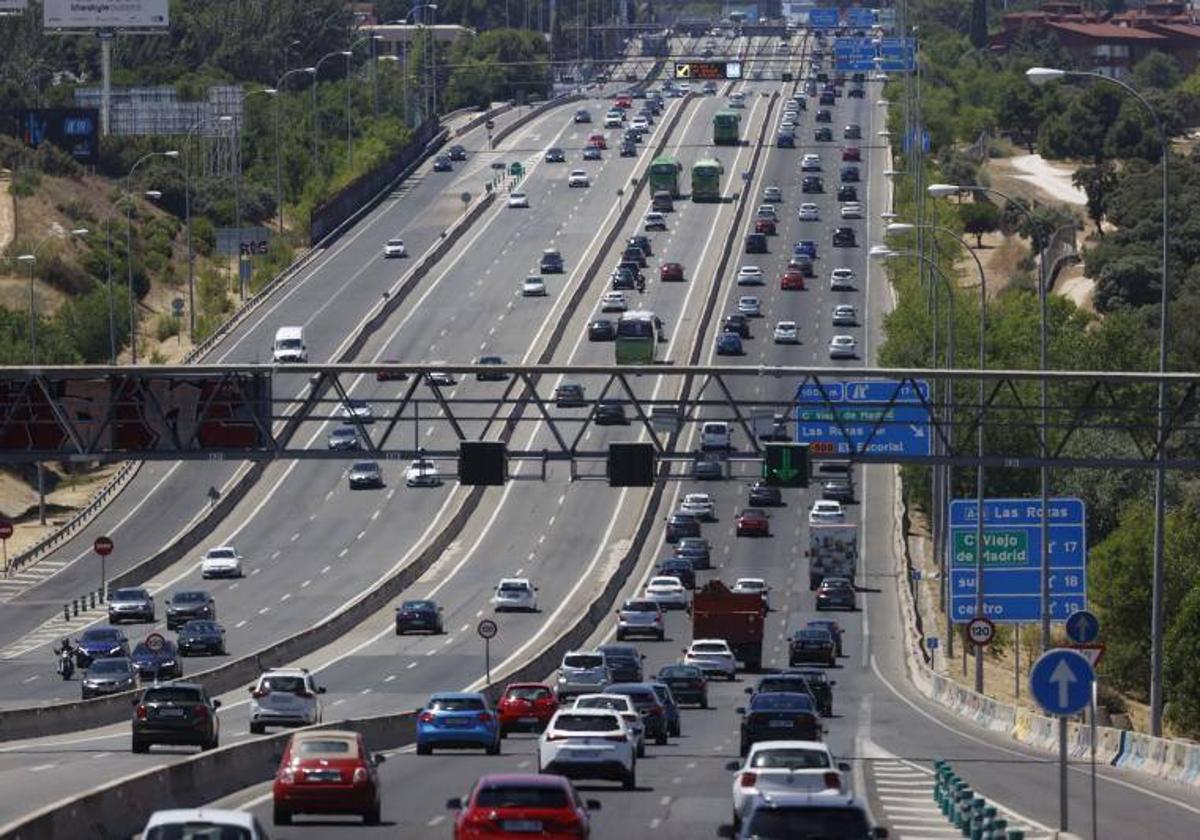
(739, 619)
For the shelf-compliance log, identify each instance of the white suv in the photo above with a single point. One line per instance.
(712, 656)
(284, 697)
(622, 704)
(588, 744)
(221, 561)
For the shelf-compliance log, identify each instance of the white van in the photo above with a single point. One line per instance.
(716, 434)
(289, 345)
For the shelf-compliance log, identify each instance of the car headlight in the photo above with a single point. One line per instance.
(114, 651)
(169, 663)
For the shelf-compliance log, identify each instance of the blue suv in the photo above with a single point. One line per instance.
(457, 719)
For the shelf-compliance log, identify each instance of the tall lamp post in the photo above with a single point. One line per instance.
(1040, 76)
(30, 259)
(432, 49)
(173, 154)
(315, 115)
(312, 71)
(882, 252)
(236, 123)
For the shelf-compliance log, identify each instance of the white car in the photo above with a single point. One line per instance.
(784, 767)
(612, 120)
(588, 744)
(613, 302)
(533, 287)
(852, 210)
(214, 822)
(843, 347)
(221, 561)
(787, 332)
(712, 656)
(750, 275)
(578, 178)
(750, 306)
(666, 591)
(700, 504)
(518, 199)
(684, 87)
(359, 410)
(716, 434)
(787, 125)
(766, 211)
(285, 697)
(810, 163)
(774, 195)
(809, 212)
(753, 586)
(422, 473)
(841, 279)
(737, 101)
(515, 594)
(622, 704)
(826, 510)
(394, 248)
(654, 221)
(845, 315)
(640, 123)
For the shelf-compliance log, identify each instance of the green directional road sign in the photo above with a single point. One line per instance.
(786, 464)
(516, 169)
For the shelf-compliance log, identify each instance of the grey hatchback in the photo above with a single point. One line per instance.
(181, 713)
(682, 524)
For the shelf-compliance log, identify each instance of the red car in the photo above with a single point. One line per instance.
(597, 141)
(623, 102)
(752, 522)
(851, 153)
(522, 805)
(390, 375)
(671, 271)
(766, 226)
(792, 279)
(327, 772)
(525, 706)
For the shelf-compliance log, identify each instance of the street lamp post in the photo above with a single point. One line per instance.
(174, 154)
(881, 252)
(1040, 76)
(312, 71)
(316, 152)
(432, 48)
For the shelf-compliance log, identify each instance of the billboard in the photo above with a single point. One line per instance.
(105, 14)
(8, 6)
(74, 130)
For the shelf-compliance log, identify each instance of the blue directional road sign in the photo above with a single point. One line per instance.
(853, 54)
(860, 18)
(932, 642)
(897, 54)
(873, 417)
(823, 19)
(1083, 628)
(1061, 682)
(1012, 559)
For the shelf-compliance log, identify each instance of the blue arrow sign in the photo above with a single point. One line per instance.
(823, 19)
(865, 417)
(1083, 628)
(1061, 682)
(1012, 559)
(860, 18)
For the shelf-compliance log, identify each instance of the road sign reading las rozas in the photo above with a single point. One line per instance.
(880, 416)
(1012, 559)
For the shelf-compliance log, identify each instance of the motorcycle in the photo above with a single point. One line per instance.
(66, 664)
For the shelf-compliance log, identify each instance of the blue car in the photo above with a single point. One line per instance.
(729, 344)
(161, 664)
(100, 643)
(670, 708)
(806, 247)
(457, 720)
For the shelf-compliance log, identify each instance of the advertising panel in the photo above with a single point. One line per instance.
(9, 6)
(105, 14)
(74, 130)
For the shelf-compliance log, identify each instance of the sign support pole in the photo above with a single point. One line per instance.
(487, 659)
(1062, 774)
(1092, 716)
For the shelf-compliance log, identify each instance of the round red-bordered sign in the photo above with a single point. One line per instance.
(103, 546)
(6, 529)
(155, 642)
(487, 629)
(981, 631)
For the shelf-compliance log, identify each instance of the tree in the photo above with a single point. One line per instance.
(1020, 109)
(1099, 182)
(979, 23)
(978, 218)
(1180, 674)
(1156, 70)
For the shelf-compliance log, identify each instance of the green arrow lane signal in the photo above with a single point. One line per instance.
(786, 464)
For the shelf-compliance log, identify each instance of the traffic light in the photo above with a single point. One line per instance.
(630, 465)
(482, 463)
(785, 464)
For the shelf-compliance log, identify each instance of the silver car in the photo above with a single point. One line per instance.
(130, 604)
(582, 672)
(285, 697)
(640, 616)
(365, 474)
(109, 676)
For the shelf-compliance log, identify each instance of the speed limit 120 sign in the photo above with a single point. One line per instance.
(981, 630)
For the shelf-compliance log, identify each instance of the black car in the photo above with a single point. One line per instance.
(631, 135)
(662, 202)
(696, 550)
(491, 376)
(633, 253)
(787, 681)
(705, 468)
(183, 606)
(820, 687)
(763, 495)
(110, 675)
(365, 474)
(847, 192)
(569, 395)
(456, 152)
(838, 489)
(824, 134)
(679, 567)
(850, 174)
(551, 263)
(681, 524)
(181, 713)
(627, 149)
(624, 662)
(843, 237)
(622, 280)
(835, 630)
(132, 603)
(687, 683)
(641, 241)
(812, 644)
(202, 636)
(654, 717)
(736, 323)
(812, 184)
(756, 243)
(424, 615)
(633, 266)
(555, 155)
(785, 140)
(442, 164)
(856, 93)
(824, 116)
(161, 664)
(778, 715)
(610, 413)
(852, 132)
(602, 329)
(826, 98)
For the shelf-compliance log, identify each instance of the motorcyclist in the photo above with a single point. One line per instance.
(641, 283)
(66, 658)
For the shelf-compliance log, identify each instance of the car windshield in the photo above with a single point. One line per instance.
(780, 701)
(814, 634)
(109, 666)
(457, 704)
(286, 685)
(128, 595)
(528, 692)
(616, 704)
(326, 746)
(807, 823)
(221, 552)
(513, 586)
(419, 606)
(521, 796)
(172, 694)
(709, 647)
(583, 660)
(814, 677)
(189, 597)
(587, 723)
(679, 672)
(783, 683)
(365, 466)
(101, 634)
(640, 606)
(192, 829)
(200, 627)
(791, 758)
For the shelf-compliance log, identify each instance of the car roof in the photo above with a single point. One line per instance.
(285, 672)
(218, 816)
(762, 746)
(456, 695)
(524, 779)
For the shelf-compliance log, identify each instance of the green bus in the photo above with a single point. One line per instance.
(637, 338)
(706, 180)
(664, 175)
(726, 128)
